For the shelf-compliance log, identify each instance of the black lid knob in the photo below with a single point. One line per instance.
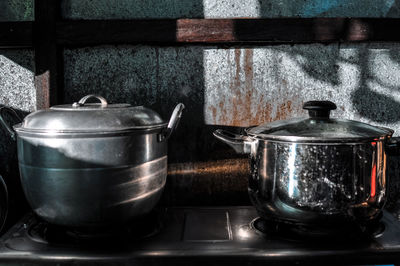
(319, 109)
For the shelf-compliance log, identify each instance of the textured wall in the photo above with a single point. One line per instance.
(117, 9)
(237, 87)
(16, 79)
(16, 10)
(16, 90)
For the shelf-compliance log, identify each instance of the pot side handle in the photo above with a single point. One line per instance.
(11, 111)
(173, 122)
(239, 143)
(393, 146)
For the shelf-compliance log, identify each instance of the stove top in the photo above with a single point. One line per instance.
(212, 235)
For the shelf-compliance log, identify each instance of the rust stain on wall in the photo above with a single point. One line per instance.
(284, 110)
(241, 104)
(237, 63)
(42, 84)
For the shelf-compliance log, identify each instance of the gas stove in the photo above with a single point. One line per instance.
(194, 235)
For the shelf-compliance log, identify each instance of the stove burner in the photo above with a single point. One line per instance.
(45, 233)
(301, 232)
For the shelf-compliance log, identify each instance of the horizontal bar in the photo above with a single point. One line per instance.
(185, 31)
(282, 30)
(16, 34)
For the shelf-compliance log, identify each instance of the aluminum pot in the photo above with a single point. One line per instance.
(93, 164)
(3, 203)
(316, 170)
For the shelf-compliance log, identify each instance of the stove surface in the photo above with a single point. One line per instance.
(212, 235)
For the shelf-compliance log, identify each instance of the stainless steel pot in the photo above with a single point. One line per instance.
(93, 164)
(316, 170)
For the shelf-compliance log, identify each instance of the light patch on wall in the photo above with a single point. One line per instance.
(17, 88)
(386, 70)
(231, 9)
(377, 88)
(384, 66)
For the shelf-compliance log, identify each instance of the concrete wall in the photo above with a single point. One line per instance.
(16, 10)
(117, 9)
(17, 91)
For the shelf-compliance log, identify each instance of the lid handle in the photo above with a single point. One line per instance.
(319, 109)
(87, 97)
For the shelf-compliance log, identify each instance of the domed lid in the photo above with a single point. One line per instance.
(318, 127)
(82, 117)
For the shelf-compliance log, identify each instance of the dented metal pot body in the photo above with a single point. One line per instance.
(316, 170)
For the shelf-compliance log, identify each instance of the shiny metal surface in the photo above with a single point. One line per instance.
(319, 127)
(174, 120)
(207, 236)
(92, 181)
(309, 130)
(309, 172)
(83, 117)
(313, 183)
(89, 165)
(3, 203)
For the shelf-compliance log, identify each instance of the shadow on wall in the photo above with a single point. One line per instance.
(9, 170)
(16, 10)
(127, 9)
(332, 8)
(16, 91)
(368, 74)
(377, 97)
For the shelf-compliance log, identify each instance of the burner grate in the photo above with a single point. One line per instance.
(42, 232)
(301, 232)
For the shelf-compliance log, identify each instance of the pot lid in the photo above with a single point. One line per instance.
(319, 127)
(91, 117)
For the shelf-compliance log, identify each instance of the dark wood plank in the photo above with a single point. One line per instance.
(290, 30)
(16, 34)
(47, 56)
(282, 30)
(91, 32)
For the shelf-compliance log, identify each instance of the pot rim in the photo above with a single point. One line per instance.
(320, 140)
(21, 131)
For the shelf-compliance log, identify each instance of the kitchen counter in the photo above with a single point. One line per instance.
(205, 235)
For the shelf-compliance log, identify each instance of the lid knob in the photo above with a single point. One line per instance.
(319, 109)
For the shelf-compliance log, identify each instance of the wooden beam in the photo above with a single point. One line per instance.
(46, 53)
(170, 31)
(185, 31)
(91, 32)
(16, 34)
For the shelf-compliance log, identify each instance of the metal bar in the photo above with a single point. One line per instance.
(46, 54)
(225, 31)
(16, 34)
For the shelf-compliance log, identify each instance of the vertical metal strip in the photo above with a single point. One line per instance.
(46, 54)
